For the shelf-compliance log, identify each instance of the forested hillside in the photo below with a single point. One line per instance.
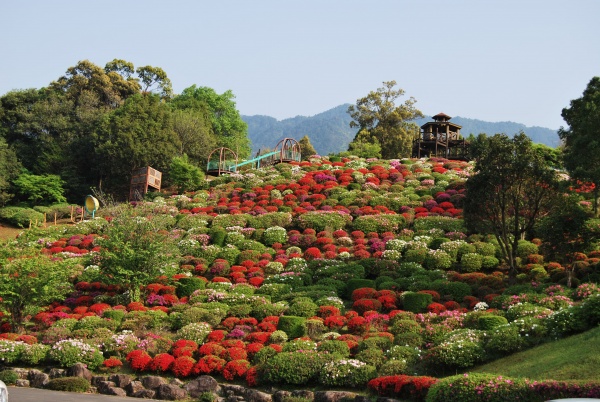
(330, 131)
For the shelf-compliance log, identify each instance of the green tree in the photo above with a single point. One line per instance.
(511, 188)
(154, 79)
(365, 146)
(9, 170)
(40, 190)
(306, 148)
(565, 232)
(581, 148)
(139, 133)
(135, 252)
(378, 117)
(185, 175)
(194, 130)
(28, 283)
(227, 124)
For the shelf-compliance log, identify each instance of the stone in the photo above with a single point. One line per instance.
(279, 396)
(204, 383)
(22, 383)
(21, 372)
(37, 379)
(152, 381)
(80, 370)
(133, 387)
(56, 373)
(116, 391)
(177, 382)
(121, 380)
(253, 395)
(385, 399)
(304, 393)
(170, 392)
(145, 394)
(333, 396)
(361, 398)
(97, 378)
(105, 386)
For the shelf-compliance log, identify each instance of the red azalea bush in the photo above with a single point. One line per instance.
(112, 362)
(402, 386)
(209, 364)
(139, 360)
(235, 369)
(162, 362)
(183, 366)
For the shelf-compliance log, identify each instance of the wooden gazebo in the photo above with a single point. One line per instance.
(441, 138)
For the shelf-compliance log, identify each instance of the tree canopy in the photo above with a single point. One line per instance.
(511, 188)
(581, 141)
(380, 120)
(93, 126)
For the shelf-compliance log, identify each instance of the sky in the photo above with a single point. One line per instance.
(509, 60)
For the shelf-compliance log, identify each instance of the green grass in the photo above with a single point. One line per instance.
(572, 358)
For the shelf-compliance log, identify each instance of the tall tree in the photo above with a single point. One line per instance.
(138, 134)
(9, 170)
(511, 188)
(306, 148)
(387, 123)
(581, 151)
(229, 128)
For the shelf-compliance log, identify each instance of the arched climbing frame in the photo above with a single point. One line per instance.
(286, 150)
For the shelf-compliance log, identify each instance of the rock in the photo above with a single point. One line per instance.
(97, 378)
(279, 396)
(361, 398)
(121, 380)
(152, 381)
(105, 386)
(333, 396)
(135, 386)
(80, 370)
(37, 379)
(204, 383)
(303, 393)
(170, 392)
(116, 391)
(177, 382)
(232, 389)
(22, 383)
(21, 372)
(384, 399)
(252, 395)
(56, 373)
(145, 393)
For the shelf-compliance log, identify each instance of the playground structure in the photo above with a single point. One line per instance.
(442, 139)
(141, 179)
(224, 160)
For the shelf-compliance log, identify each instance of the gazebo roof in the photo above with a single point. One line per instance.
(441, 116)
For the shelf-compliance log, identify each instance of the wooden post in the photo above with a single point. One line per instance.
(44, 219)
(55, 219)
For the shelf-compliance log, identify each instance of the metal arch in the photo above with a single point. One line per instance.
(289, 150)
(224, 165)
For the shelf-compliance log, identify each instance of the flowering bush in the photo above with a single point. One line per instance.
(236, 369)
(70, 351)
(402, 386)
(296, 368)
(197, 332)
(346, 373)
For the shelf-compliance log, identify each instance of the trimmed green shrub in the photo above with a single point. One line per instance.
(416, 302)
(446, 223)
(524, 248)
(454, 290)
(34, 354)
(303, 308)
(271, 219)
(69, 384)
(487, 322)
(373, 357)
(294, 327)
(115, 315)
(295, 368)
(187, 286)
(21, 217)
(339, 348)
(323, 220)
(227, 220)
(504, 340)
(471, 262)
(379, 223)
(347, 373)
(9, 377)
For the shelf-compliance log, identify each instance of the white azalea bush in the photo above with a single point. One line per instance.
(347, 373)
(70, 351)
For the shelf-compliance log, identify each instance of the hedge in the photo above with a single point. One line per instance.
(294, 327)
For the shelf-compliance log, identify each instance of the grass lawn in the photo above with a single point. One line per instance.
(573, 358)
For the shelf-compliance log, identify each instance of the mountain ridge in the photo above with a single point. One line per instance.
(330, 131)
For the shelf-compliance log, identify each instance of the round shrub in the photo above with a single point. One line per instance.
(69, 384)
(70, 351)
(9, 377)
(196, 331)
(295, 368)
(275, 234)
(471, 262)
(489, 262)
(294, 327)
(347, 373)
(373, 357)
(187, 286)
(461, 353)
(393, 367)
(487, 322)
(504, 340)
(524, 248)
(339, 348)
(416, 302)
(438, 259)
(305, 308)
(34, 354)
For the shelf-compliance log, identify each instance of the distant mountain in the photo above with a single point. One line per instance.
(330, 131)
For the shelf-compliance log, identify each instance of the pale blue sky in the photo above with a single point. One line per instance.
(517, 60)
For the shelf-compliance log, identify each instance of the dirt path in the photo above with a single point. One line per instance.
(8, 232)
